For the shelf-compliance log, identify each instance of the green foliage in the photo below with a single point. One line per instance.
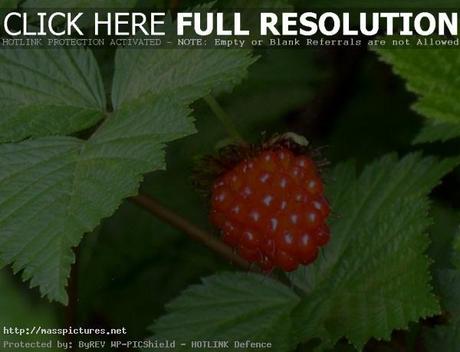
(371, 87)
(433, 132)
(372, 278)
(443, 233)
(48, 92)
(445, 251)
(447, 337)
(9, 4)
(18, 311)
(443, 338)
(270, 80)
(256, 4)
(186, 74)
(429, 74)
(79, 4)
(58, 188)
(456, 251)
(67, 161)
(133, 254)
(448, 281)
(233, 307)
(389, 4)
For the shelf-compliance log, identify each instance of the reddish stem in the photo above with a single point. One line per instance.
(158, 210)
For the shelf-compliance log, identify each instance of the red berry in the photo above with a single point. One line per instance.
(231, 234)
(271, 208)
(307, 248)
(268, 247)
(251, 255)
(322, 206)
(322, 235)
(286, 261)
(266, 264)
(250, 239)
(286, 241)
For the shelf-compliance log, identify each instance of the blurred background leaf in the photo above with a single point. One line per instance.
(19, 310)
(76, 4)
(446, 251)
(9, 4)
(429, 74)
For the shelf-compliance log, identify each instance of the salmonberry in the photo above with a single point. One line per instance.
(270, 207)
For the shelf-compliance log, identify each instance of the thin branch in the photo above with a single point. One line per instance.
(158, 210)
(194, 232)
(223, 117)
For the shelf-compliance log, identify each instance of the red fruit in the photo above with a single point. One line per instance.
(251, 255)
(271, 208)
(250, 239)
(322, 235)
(268, 247)
(266, 264)
(286, 261)
(286, 241)
(307, 249)
(230, 234)
(322, 206)
(312, 218)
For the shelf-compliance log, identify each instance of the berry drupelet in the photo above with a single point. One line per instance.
(270, 207)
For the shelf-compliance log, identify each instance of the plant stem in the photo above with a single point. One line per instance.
(223, 117)
(175, 220)
(194, 232)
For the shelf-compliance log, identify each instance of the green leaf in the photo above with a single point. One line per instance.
(19, 311)
(392, 4)
(54, 189)
(373, 277)
(233, 307)
(157, 249)
(48, 92)
(149, 251)
(6, 6)
(448, 284)
(270, 79)
(429, 74)
(9, 4)
(443, 234)
(434, 131)
(447, 279)
(447, 337)
(78, 4)
(456, 251)
(187, 74)
(443, 338)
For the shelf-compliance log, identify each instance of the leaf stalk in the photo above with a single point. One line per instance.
(223, 117)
